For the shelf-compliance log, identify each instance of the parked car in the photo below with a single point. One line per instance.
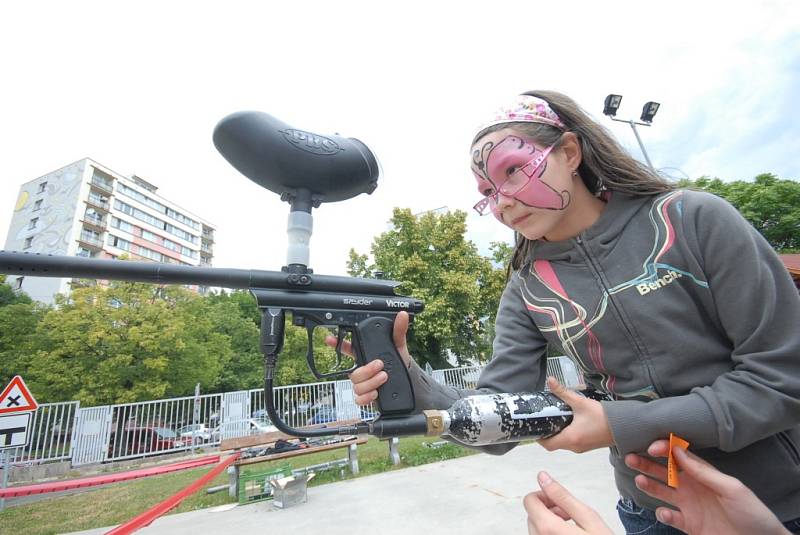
(140, 440)
(243, 427)
(195, 433)
(296, 413)
(322, 414)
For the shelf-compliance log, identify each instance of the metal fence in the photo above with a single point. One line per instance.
(562, 368)
(313, 403)
(155, 427)
(51, 433)
(61, 431)
(565, 370)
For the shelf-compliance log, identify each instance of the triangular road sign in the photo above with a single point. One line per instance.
(16, 397)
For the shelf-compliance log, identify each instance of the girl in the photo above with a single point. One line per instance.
(668, 300)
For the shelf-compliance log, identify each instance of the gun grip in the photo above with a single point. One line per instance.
(374, 340)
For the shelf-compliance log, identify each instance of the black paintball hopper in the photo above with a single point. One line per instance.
(286, 160)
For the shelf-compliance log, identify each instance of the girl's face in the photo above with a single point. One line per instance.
(527, 186)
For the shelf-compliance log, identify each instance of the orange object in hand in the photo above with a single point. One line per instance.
(672, 470)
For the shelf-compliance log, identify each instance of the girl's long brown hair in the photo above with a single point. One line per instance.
(603, 162)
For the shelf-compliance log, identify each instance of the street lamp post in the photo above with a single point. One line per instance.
(648, 112)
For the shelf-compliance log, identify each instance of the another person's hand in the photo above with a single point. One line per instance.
(589, 428)
(551, 509)
(366, 379)
(709, 501)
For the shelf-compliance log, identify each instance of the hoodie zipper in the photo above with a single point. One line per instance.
(592, 264)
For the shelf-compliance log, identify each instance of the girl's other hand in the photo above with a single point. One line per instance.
(589, 429)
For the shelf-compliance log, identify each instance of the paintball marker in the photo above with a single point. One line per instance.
(307, 169)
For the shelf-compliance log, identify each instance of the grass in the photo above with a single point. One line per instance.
(117, 503)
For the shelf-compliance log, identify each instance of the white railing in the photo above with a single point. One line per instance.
(50, 434)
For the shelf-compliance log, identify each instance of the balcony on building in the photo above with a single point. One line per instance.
(102, 181)
(83, 252)
(208, 234)
(98, 202)
(94, 220)
(91, 239)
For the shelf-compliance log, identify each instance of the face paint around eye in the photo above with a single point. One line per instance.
(528, 164)
(511, 152)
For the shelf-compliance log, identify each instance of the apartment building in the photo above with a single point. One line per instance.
(86, 209)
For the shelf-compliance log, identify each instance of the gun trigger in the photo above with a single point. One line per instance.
(339, 343)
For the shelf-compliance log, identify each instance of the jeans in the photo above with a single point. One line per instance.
(639, 521)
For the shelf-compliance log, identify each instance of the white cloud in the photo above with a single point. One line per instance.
(140, 88)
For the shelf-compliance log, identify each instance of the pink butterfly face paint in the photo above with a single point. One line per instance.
(514, 167)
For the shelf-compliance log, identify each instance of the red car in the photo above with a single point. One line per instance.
(140, 440)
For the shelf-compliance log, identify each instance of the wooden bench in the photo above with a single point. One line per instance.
(268, 439)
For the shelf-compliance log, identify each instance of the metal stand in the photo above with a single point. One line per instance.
(394, 454)
(636, 133)
(6, 462)
(641, 145)
(352, 457)
(233, 481)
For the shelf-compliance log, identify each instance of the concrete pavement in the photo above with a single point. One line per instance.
(479, 494)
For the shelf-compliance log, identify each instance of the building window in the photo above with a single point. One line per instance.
(149, 236)
(149, 253)
(119, 243)
(122, 225)
(42, 187)
(32, 224)
(37, 205)
(28, 243)
(138, 214)
(169, 244)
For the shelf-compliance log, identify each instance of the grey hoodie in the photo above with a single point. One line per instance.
(678, 308)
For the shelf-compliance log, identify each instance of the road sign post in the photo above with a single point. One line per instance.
(6, 466)
(195, 415)
(16, 405)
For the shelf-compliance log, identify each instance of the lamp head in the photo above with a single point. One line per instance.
(649, 111)
(612, 105)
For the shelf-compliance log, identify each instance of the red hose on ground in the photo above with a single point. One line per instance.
(151, 514)
(58, 486)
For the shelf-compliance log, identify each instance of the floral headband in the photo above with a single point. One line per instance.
(525, 109)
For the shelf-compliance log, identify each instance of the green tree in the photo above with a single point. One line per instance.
(128, 342)
(8, 296)
(770, 204)
(461, 289)
(292, 363)
(18, 323)
(246, 369)
(236, 316)
(19, 317)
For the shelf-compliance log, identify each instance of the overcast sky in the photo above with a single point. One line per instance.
(140, 88)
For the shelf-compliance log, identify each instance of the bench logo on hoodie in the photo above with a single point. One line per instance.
(647, 287)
